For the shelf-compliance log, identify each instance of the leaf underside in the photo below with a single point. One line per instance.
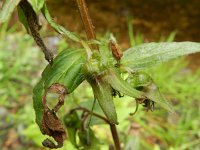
(103, 93)
(151, 54)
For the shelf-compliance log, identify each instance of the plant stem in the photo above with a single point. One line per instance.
(95, 114)
(89, 28)
(115, 136)
(87, 22)
(112, 126)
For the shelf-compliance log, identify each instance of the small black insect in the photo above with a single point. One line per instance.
(116, 93)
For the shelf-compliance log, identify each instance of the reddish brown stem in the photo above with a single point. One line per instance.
(115, 136)
(89, 28)
(87, 22)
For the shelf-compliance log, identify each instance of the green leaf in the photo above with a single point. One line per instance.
(36, 4)
(143, 81)
(22, 18)
(103, 93)
(151, 54)
(57, 27)
(88, 140)
(139, 79)
(72, 123)
(72, 132)
(38, 93)
(154, 94)
(116, 81)
(7, 9)
(66, 69)
(35, 136)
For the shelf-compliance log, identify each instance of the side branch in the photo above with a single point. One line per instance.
(112, 126)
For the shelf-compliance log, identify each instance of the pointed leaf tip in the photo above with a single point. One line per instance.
(102, 92)
(150, 54)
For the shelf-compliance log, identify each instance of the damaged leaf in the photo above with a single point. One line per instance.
(46, 118)
(28, 16)
(114, 47)
(61, 78)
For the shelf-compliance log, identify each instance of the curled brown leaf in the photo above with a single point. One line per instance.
(34, 27)
(51, 125)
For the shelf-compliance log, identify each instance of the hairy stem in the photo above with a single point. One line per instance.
(87, 22)
(89, 28)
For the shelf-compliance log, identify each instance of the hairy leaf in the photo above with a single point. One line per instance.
(153, 93)
(144, 82)
(66, 69)
(151, 54)
(139, 79)
(36, 4)
(103, 93)
(57, 27)
(8, 9)
(116, 81)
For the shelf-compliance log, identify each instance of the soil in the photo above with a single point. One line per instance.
(152, 18)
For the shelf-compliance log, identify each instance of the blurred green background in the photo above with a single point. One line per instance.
(132, 22)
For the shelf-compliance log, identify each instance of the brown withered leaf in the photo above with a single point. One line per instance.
(116, 52)
(51, 125)
(34, 26)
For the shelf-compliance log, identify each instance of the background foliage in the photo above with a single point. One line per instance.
(21, 62)
(20, 65)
